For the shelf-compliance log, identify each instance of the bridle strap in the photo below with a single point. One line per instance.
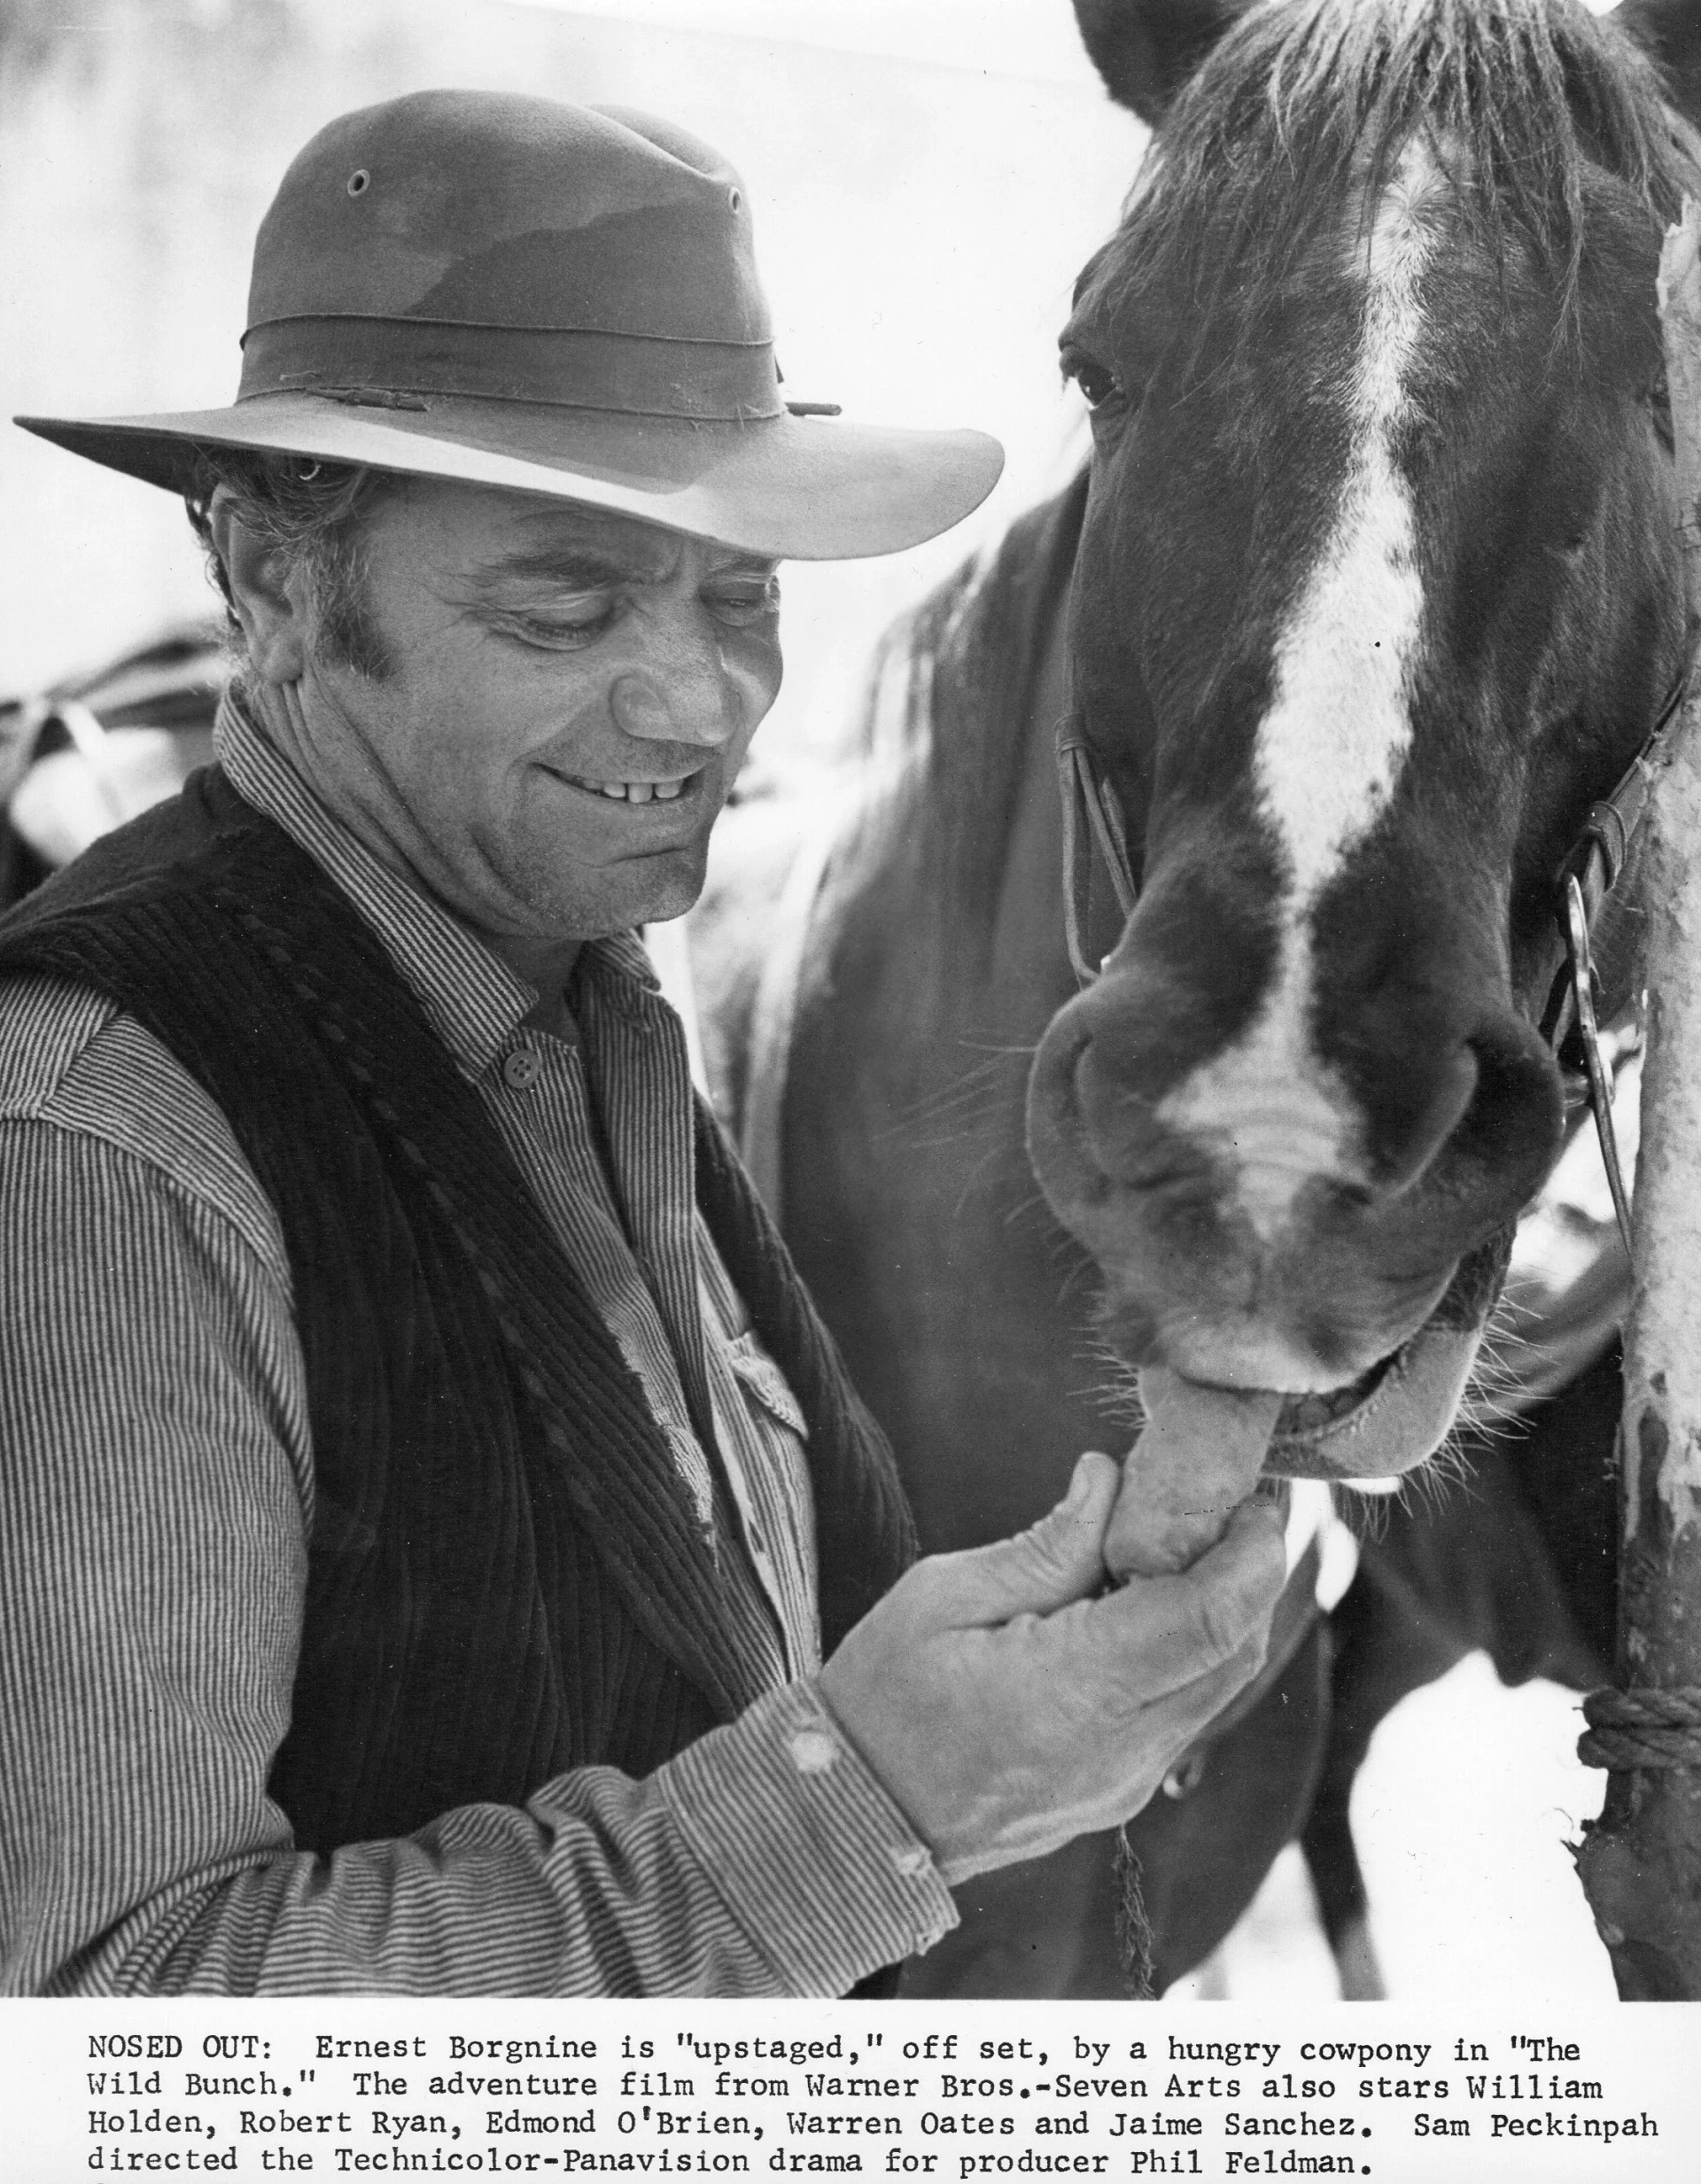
(1588, 874)
(1093, 819)
(1580, 985)
(1603, 846)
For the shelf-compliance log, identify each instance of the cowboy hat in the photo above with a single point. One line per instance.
(561, 299)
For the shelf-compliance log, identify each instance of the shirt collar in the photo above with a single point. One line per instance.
(471, 998)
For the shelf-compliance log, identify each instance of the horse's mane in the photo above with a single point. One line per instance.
(1303, 108)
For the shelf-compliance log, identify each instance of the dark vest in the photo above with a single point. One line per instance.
(505, 1577)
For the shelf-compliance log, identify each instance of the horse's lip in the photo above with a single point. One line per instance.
(1305, 1418)
(1397, 1412)
(1389, 1420)
(1311, 1411)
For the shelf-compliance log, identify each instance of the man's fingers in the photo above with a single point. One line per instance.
(1185, 1712)
(1172, 1630)
(1167, 1728)
(1058, 1560)
(1164, 1732)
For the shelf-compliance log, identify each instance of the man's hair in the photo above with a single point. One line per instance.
(312, 513)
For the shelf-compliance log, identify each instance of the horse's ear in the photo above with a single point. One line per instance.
(1669, 32)
(1145, 49)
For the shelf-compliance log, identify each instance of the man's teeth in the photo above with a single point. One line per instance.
(636, 792)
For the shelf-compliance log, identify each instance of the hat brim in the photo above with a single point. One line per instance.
(793, 488)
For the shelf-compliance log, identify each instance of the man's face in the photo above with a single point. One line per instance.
(569, 694)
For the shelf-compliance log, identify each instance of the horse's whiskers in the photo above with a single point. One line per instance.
(1492, 1404)
(1448, 1471)
(977, 1083)
(990, 1158)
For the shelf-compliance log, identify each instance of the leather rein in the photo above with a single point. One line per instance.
(1094, 819)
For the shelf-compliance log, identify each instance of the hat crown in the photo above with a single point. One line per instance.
(492, 209)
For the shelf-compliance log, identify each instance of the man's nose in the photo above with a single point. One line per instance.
(688, 700)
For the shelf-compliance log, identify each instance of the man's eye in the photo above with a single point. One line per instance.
(743, 604)
(565, 627)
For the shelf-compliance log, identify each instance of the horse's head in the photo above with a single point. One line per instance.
(1378, 589)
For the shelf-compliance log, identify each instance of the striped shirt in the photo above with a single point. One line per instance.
(157, 1488)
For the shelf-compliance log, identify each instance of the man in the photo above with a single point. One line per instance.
(427, 1490)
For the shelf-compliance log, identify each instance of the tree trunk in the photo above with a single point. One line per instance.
(1641, 1861)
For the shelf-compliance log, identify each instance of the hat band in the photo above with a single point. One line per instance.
(720, 382)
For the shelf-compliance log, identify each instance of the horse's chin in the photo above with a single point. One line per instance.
(1393, 1416)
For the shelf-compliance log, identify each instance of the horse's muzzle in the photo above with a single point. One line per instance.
(1296, 1234)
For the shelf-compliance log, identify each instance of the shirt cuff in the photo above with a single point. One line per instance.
(816, 1863)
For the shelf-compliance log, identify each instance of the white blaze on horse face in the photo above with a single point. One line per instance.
(1331, 748)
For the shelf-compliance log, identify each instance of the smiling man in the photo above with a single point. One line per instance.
(537, 712)
(426, 1494)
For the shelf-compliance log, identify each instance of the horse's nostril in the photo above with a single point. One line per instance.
(1513, 1129)
(1429, 1131)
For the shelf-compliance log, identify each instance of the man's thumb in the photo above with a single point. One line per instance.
(1059, 1560)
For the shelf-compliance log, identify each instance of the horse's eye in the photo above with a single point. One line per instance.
(1098, 385)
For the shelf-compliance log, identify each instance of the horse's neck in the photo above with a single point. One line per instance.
(909, 1204)
(941, 967)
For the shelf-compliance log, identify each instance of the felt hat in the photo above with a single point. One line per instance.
(561, 299)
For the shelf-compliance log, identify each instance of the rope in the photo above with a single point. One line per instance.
(1642, 1729)
(1133, 1928)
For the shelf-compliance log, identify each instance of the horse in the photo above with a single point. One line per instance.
(1370, 589)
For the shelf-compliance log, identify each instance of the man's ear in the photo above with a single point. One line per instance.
(1669, 32)
(1145, 49)
(271, 609)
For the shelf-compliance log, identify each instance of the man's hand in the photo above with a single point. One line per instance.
(1007, 1708)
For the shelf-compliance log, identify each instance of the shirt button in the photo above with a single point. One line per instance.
(813, 1751)
(522, 1068)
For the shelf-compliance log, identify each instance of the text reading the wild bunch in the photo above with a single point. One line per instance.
(890, 2096)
